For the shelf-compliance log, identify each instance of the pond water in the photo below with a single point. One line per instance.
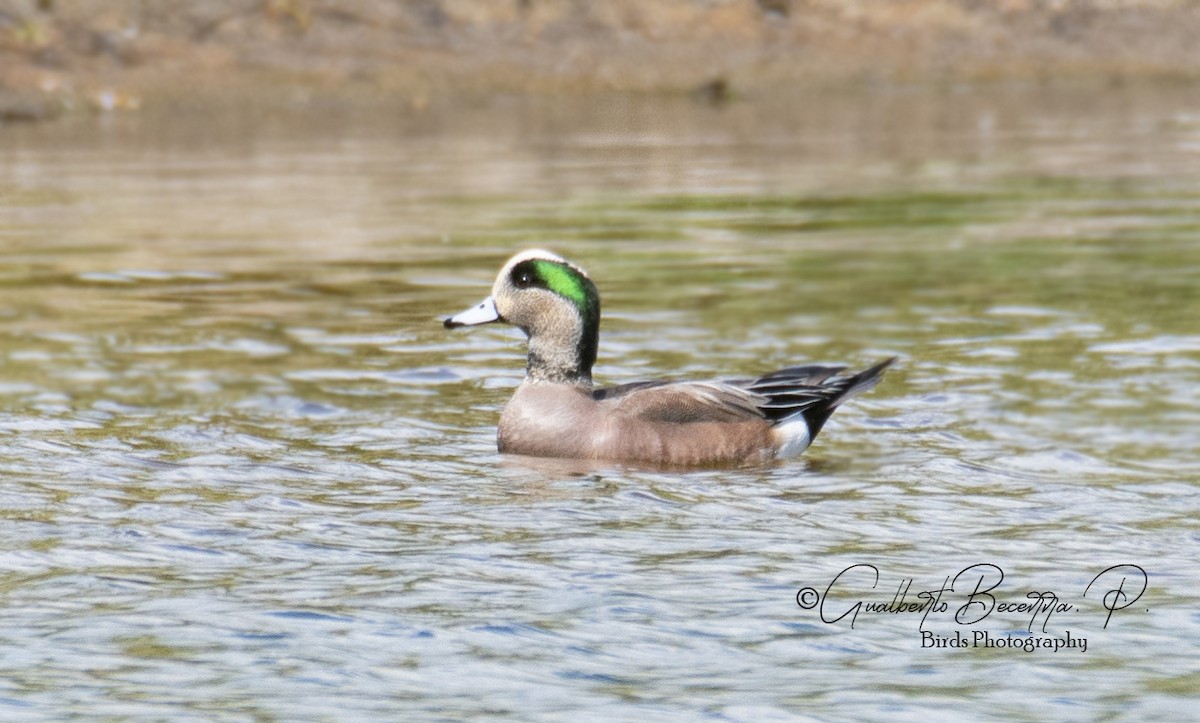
(247, 475)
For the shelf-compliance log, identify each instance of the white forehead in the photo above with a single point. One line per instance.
(539, 254)
(533, 254)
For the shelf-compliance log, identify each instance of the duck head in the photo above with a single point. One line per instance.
(557, 306)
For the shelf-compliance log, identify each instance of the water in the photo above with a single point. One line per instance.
(248, 476)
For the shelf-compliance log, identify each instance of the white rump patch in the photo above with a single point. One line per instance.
(792, 436)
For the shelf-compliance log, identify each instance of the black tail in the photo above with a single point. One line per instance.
(814, 391)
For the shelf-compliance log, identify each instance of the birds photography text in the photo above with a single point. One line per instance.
(974, 595)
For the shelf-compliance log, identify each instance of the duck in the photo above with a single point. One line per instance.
(557, 411)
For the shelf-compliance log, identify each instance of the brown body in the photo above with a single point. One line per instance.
(675, 425)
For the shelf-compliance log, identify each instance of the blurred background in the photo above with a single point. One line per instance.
(245, 474)
(122, 53)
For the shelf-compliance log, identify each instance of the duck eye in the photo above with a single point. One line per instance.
(523, 279)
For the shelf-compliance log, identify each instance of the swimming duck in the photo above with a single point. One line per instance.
(557, 412)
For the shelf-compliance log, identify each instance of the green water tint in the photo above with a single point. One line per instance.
(1014, 245)
(245, 468)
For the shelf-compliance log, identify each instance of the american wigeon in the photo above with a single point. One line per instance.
(557, 412)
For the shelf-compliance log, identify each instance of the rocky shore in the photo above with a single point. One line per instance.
(58, 56)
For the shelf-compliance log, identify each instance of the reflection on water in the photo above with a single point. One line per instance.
(246, 471)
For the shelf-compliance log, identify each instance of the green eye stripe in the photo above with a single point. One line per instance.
(562, 280)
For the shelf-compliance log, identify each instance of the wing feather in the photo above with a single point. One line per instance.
(813, 390)
(685, 402)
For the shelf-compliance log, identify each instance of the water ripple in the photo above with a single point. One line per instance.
(247, 474)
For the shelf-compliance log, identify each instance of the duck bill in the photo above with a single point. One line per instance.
(482, 313)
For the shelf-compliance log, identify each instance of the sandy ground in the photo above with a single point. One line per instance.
(71, 55)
